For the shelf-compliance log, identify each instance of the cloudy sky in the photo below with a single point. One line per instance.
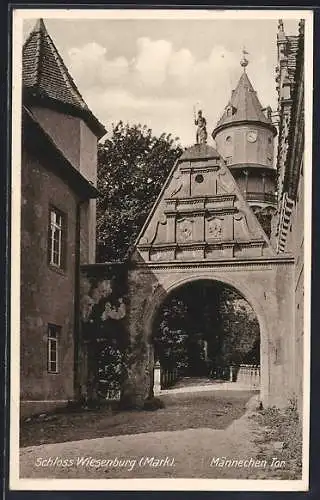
(154, 71)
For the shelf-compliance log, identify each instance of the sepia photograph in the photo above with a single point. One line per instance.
(161, 249)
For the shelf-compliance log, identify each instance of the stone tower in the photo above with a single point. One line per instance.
(244, 137)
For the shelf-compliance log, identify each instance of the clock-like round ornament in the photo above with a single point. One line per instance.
(252, 135)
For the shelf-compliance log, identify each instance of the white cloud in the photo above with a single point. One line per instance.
(90, 65)
(119, 99)
(160, 114)
(156, 66)
(180, 66)
(160, 85)
(152, 61)
(157, 63)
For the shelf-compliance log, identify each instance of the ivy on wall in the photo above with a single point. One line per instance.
(103, 312)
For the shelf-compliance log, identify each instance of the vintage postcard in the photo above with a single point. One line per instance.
(161, 249)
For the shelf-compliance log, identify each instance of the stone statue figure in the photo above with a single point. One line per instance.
(201, 123)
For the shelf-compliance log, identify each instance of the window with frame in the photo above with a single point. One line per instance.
(56, 243)
(54, 332)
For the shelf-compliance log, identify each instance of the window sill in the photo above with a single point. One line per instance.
(58, 270)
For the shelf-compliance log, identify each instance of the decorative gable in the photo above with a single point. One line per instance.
(201, 214)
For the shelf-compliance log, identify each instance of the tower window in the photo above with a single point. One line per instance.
(228, 139)
(53, 348)
(269, 140)
(230, 110)
(228, 160)
(56, 243)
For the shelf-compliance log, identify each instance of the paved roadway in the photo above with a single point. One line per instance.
(184, 452)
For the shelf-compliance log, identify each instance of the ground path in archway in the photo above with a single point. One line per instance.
(191, 438)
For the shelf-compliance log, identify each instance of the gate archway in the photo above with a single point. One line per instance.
(205, 329)
(206, 230)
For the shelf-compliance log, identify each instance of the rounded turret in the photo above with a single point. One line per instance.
(244, 136)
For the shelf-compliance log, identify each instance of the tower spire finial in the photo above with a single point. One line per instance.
(244, 61)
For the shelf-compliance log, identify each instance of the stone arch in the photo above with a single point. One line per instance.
(169, 286)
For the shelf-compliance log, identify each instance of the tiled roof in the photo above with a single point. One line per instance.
(244, 105)
(45, 76)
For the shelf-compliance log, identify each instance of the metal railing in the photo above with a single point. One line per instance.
(168, 378)
(163, 378)
(247, 376)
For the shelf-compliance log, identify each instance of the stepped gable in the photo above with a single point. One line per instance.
(200, 214)
(46, 79)
(244, 105)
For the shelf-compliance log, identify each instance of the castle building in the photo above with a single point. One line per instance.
(188, 223)
(289, 231)
(244, 137)
(58, 191)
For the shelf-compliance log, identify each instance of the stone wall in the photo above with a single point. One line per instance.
(79, 145)
(267, 287)
(47, 294)
(64, 131)
(290, 231)
(231, 143)
(295, 244)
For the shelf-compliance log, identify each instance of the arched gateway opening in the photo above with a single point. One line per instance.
(207, 232)
(205, 330)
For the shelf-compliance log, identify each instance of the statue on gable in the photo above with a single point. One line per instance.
(201, 123)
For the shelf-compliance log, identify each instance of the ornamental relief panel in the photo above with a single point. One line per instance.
(225, 182)
(162, 255)
(178, 184)
(241, 229)
(156, 230)
(214, 229)
(185, 230)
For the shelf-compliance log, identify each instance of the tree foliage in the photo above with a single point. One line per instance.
(172, 334)
(132, 167)
(206, 312)
(241, 333)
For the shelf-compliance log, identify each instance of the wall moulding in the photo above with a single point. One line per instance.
(236, 265)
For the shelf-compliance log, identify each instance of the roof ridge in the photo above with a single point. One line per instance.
(61, 65)
(33, 32)
(64, 71)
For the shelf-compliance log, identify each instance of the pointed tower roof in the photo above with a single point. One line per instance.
(47, 80)
(243, 106)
